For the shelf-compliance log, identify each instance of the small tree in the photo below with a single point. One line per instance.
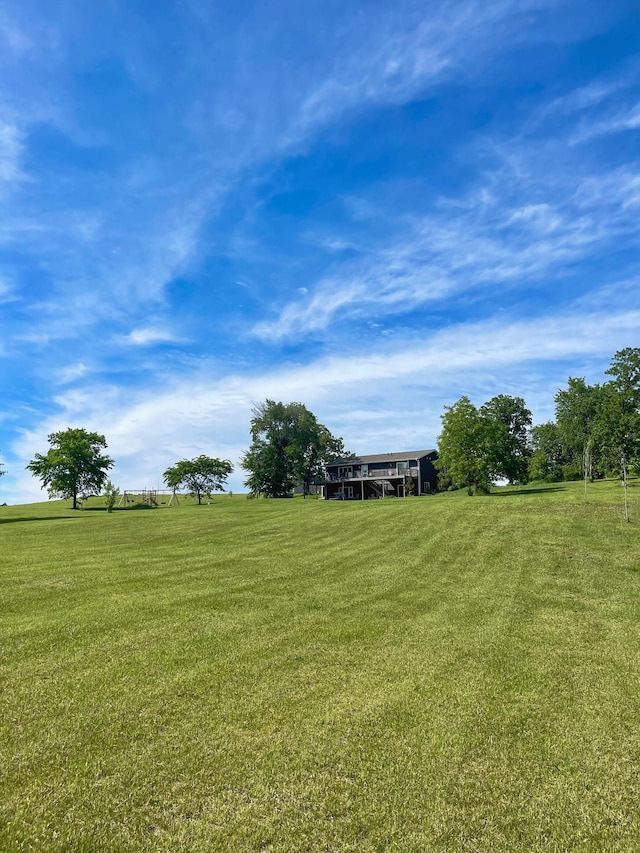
(200, 476)
(620, 413)
(74, 466)
(110, 494)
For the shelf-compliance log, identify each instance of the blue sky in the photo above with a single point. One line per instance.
(372, 208)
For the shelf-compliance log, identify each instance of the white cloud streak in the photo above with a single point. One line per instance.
(625, 120)
(152, 225)
(486, 240)
(148, 336)
(11, 149)
(357, 396)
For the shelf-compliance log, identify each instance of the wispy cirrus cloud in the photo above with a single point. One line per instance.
(147, 336)
(144, 222)
(71, 373)
(187, 177)
(608, 104)
(623, 120)
(7, 292)
(400, 51)
(594, 94)
(487, 240)
(11, 152)
(146, 219)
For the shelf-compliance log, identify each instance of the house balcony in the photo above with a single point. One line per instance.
(378, 474)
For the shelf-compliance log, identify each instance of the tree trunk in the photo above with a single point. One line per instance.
(623, 460)
(586, 466)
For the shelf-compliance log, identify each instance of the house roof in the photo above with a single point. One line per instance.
(404, 456)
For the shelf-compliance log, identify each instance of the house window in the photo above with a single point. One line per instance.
(344, 473)
(348, 492)
(402, 467)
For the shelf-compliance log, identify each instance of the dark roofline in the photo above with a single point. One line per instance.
(404, 456)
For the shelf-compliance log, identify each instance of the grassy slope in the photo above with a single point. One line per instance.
(443, 673)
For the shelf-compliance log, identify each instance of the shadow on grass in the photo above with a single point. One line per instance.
(118, 508)
(37, 518)
(535, 491)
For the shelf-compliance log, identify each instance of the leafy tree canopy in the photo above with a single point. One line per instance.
(110, 495)
(577, 410)
(464, 446)
(619, 423)
(547, 459)
(289, 446)
(74, 466)
(200, 476)
(510, 420)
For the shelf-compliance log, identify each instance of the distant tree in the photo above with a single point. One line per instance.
(509, 436)
(576, 416)
(619, 423)
(465, 447)
(289, 446)
(200, 476)
(547, 459)
(74, 466)
(110, 493)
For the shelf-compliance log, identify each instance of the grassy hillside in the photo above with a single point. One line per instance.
(443, 673)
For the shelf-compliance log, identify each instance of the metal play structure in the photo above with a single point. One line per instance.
(147, 497)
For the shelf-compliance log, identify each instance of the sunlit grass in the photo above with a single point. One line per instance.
(442, 673)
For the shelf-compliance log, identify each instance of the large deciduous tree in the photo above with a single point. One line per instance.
(74, 466)
(465, 447)
(509, 436)
(200, 476)
(289, 447)
(314, 446)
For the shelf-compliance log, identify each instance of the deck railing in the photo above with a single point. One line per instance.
(380, 473)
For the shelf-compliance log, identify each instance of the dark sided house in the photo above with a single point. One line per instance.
(382, 475)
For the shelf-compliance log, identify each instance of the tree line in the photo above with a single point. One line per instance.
(289, 447)
(596, 433)
(75, 468)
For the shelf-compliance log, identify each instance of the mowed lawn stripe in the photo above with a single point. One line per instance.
(443, 673)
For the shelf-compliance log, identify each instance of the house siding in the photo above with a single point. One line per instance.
(372, 477)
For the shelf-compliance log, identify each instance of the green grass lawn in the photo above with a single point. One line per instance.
(443, 673)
